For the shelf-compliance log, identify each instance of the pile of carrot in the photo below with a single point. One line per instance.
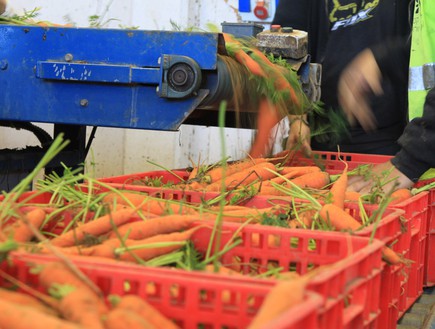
(258, 173)
(66, 301)
(138, 228)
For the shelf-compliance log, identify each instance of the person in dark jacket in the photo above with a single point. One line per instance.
(338, 30)
(417, 154)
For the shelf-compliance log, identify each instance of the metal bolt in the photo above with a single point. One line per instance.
(275, 28)
(287, 29)
(84, 102)
(3, 64)
(68, 57)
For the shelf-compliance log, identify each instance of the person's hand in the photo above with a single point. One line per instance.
(386, 172)
(359, 79)
(299, 137)
(2, 6)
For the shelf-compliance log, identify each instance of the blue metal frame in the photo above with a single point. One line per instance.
(100, 77)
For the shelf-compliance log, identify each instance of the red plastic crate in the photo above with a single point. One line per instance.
(199, 302)
(350, 284)
(393, 230)
(331, 160)
(429, 269)
(416, 213)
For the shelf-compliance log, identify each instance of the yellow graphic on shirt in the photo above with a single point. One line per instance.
(350, 14)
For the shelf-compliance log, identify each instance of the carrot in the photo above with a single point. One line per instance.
(242, 215)
(125, 197)
(390, 256)
(286, 174)
(338, 218)
(297, 171)
(338, 189)
(261, 171)
(270, 190)
(305, 218)
(56, 273)
(82, 307)
(146, 311)
(95, 227)
(352, 196)
(160, 225)
(268, 117)
(145, 251)
(400, 195)
(312, 180)
(241, 56)
(217, 173)
(195, 186)
(281, 297)
(20, 230)
(148, 204)
(16, 316)
(209, 268)
(122, 318)
(25, 300)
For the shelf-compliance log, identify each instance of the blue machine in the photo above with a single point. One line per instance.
(79, 77)
(112, 78)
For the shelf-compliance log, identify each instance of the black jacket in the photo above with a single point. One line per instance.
(418, 143)
(336, 35)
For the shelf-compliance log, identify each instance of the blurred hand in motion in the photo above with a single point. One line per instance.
(385, 172)
(2, 6)
(299, 137)
(361, 78)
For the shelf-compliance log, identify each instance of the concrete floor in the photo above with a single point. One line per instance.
(421, 315)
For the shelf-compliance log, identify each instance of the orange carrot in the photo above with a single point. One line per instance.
(316, 179)
(305, 218)
(242, 215)
(148, 204)
(217, 173)
(26, 300)
(284, 295)
(58, 274)
(20, 231)
(160, 225)
(352, 196)
(400, 195)
(146, 251)
(297, 171)
(338, 189)
(268, 117)
(261, 171)
(122, 318)
(83, 307)
(146, 311)
(18, 316)
(338, 218)
(242, 57)
(221, 270)
(270, 190)
(286, 174)
(95, 227)
(390, 256)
